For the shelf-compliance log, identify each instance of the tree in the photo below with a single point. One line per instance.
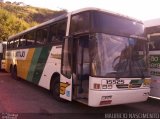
(9, 25)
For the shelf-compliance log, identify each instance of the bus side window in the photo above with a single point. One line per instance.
(16, 43)
(156, 43)
(57, 31)
(22, 41)
(12, 44)
(52, 33)
(151, 45)
(42, 36)
(30, 38)
(8, 45)
(61, 31)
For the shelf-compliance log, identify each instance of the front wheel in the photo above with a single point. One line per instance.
(55, 88)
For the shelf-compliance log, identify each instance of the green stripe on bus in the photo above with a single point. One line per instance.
(41, 64)
(33, 64)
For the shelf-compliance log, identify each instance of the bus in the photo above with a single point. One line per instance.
(152, 30)
(2, 54)
(93, 56)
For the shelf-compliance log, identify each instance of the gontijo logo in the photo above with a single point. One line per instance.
(154, 61)
(18, 54)
(21, 54)
(154, 64)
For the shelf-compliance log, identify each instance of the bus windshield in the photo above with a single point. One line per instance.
(112, 24)
(116, 56)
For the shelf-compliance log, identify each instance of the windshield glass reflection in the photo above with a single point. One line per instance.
(116, 56)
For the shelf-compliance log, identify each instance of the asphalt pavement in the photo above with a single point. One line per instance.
(20, 99)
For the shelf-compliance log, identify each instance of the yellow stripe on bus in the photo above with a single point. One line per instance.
(24, 65)
(8, 61)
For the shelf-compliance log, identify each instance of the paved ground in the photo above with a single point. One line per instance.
(21, 99)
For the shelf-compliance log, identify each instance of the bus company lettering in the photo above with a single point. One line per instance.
(154, 58)
(155, 73)
(20, 53)
(154, 61)
(56, 56)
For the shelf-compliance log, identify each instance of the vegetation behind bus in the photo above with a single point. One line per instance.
(14, 19)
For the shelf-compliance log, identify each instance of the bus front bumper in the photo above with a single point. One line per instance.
(106, 98)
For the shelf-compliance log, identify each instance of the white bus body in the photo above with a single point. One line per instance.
(99, 58)
(152, 28)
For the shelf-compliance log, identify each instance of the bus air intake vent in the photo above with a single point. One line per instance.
(121, 86)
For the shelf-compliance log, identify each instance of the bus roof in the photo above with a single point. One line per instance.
(107, 11)
(152, 26)
(152, 23)
(71, 13)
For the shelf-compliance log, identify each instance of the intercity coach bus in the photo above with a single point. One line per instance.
(152, 31)
(2, 54)
(91, 55)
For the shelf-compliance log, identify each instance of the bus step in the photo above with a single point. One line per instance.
(81, 98)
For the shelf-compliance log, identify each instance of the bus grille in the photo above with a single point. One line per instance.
(128, 86)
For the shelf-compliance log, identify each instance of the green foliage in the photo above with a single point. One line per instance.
(10, 24)
(14, 19)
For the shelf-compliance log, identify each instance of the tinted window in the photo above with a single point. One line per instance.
(66, 60)
(57, 31)
(16, 43)
(41, 36)
(12, 44)
(22, 41)
(107, 23)
(61, 31)
(8, 44)
(53, 33)
(30, 37)
(80, 23)
(116, 56)
(154, 43)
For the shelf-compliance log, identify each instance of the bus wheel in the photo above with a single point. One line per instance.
(55, 88)
(11, 71)
(14, 73)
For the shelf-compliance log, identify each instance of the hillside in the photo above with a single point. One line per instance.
(14, 18)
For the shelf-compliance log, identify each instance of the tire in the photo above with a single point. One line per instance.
(14, 73)
(55, 89)
(11, 71)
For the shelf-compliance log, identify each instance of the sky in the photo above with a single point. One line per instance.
(140, 9)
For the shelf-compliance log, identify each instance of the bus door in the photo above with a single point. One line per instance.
(81, 68)
(66, 77)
